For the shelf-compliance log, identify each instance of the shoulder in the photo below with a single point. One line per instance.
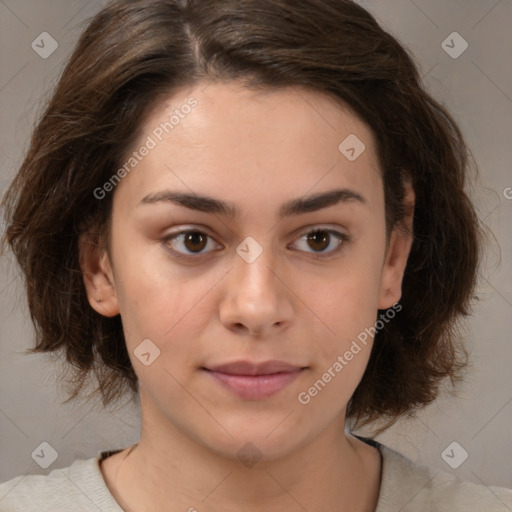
(412, 487)
(79, 487)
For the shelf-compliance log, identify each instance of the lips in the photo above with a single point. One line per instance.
(252, 380)
(253, 368)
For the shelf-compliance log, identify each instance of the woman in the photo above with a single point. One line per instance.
(252, 215)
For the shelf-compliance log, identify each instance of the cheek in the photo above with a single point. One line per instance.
(348, 302)
(348, 312)
(160, 301)
(347, 306)
(148, 298)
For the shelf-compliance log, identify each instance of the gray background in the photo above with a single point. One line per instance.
(477, 89)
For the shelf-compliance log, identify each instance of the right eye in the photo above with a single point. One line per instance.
(191, 240)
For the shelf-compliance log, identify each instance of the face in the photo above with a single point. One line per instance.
(236, 305)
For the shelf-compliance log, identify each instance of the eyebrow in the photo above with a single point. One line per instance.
(297, 206)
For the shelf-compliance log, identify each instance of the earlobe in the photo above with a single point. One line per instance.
(97, 275)
(398, 253)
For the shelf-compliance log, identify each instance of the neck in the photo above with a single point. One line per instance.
(167, 470)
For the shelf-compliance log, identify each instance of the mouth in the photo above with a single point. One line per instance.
(254, 381)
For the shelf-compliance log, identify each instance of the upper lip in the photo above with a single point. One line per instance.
(254, 368)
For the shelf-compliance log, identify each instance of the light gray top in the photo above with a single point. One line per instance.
(405, 487)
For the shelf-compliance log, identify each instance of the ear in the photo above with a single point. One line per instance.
(98, 275)
(398, 252)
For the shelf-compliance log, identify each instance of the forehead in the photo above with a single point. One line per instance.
(226, 139)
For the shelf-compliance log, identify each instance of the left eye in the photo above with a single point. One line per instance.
(321, 239)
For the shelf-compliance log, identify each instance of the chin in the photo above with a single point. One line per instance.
(253, 440)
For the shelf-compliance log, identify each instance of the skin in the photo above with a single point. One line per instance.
(257, 150)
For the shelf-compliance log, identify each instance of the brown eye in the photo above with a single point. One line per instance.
(195, 241)
(319, 240)
(189, 244)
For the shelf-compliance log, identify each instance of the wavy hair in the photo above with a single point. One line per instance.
(131, 54)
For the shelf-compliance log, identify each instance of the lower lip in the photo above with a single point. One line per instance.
(255, 387)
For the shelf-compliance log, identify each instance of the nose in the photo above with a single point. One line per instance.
(256, 300)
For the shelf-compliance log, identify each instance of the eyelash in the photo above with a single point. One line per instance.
(342, 237)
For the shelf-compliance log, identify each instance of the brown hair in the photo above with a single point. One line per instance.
(134, 52)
